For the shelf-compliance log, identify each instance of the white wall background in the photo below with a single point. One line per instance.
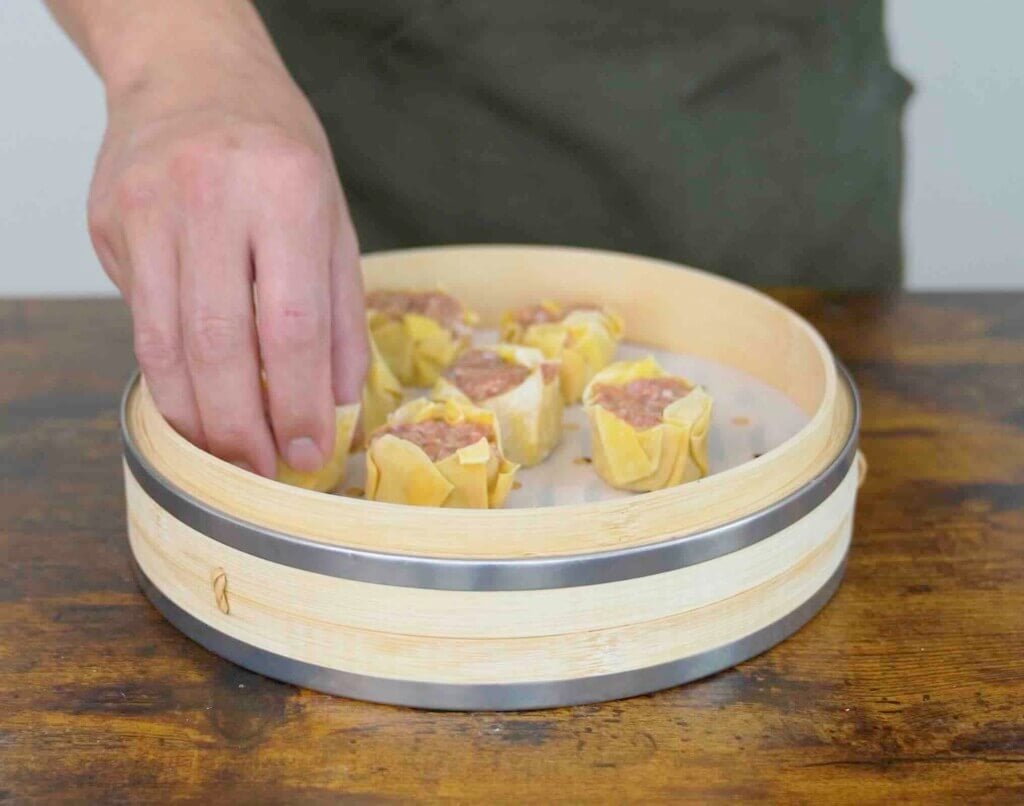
(964, 204)
(963, 210)
(51, 122)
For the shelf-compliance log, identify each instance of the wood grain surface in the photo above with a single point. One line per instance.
(909, 685)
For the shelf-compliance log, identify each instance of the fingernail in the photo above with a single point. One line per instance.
(303, 455)
(244, 466)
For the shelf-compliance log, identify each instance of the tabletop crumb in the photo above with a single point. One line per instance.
(582, 460)
(517, 485)
(741, 420)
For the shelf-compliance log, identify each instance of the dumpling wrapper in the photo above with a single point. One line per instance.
(584, 341)
(416, 347)
(332, 474)
(670, 453)
(400, 472)
(530, 414)
(382, 392)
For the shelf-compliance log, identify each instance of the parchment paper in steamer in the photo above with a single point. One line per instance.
(749, 418)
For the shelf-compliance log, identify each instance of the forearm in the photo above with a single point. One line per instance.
(129, 43)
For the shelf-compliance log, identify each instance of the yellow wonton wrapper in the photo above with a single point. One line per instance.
(382, 393)
(400, 472)
(332, 474)
(584, 341)
(416, 347)
(670, 453)
(530, 415)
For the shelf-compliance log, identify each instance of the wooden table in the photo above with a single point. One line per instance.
(909, 684)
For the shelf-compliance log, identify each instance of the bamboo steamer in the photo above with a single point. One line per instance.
(516, 608)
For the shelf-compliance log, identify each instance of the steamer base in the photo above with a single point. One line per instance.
(504, 697)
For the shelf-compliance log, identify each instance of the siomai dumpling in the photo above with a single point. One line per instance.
(382, 393)
(520, 386)
(439, 454)
(419, 333)
(648, 429)
(332, 474)
(582, 337)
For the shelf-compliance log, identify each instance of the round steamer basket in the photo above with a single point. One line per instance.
(528, 607)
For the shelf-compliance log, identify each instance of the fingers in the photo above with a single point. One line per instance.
(349, 339)
(218, 328)
(108, 240)
(135, 242)
(107, 254)
(292, 245)
(185, 248)
(157, 327)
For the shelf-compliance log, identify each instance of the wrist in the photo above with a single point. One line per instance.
(137, 45)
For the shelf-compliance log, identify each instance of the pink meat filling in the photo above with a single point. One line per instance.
(442, 308)
(437, 438)
(483, 374)
(642, 401)
(540, 315)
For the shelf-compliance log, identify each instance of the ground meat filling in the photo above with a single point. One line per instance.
(442, 308)
(483, 374)
(541, 315)
(641, 402)
(549, 371)
(437, 438)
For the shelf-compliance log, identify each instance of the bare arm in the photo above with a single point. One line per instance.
(214, 178)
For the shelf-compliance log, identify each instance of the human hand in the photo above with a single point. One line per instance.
(215, 179)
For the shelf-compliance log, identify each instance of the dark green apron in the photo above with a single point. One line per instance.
(760, 140)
